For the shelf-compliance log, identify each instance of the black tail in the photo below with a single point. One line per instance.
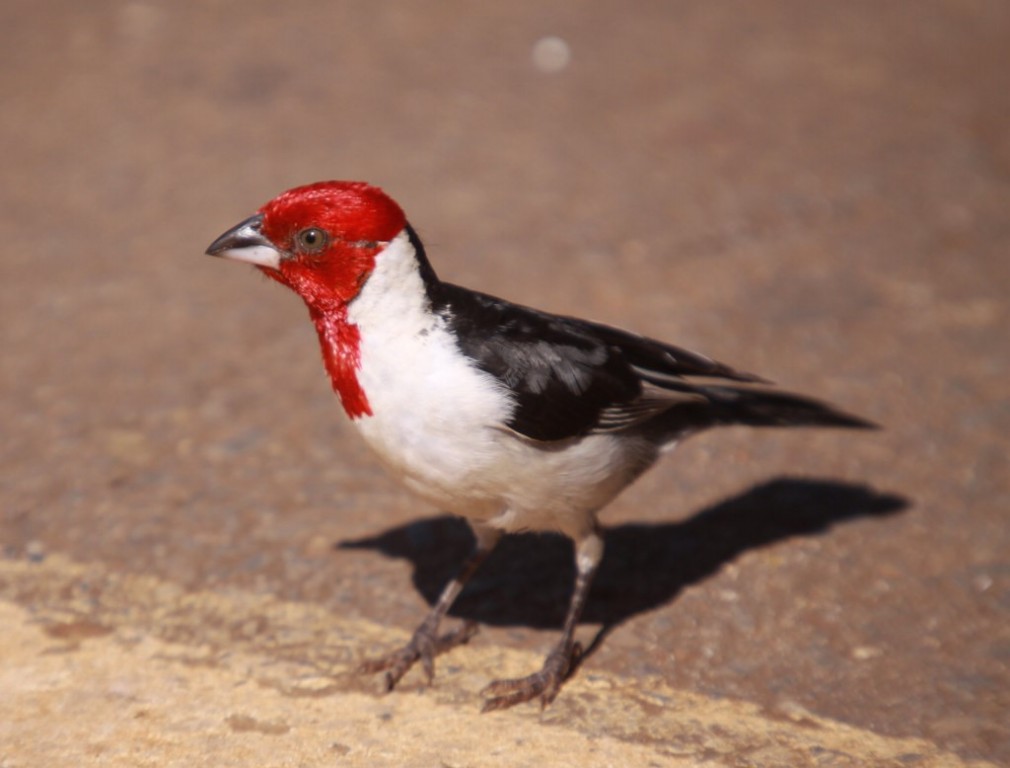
(757, 408)
(768, 408)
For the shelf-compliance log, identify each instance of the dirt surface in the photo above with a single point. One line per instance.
(196, 549)
(170, 677)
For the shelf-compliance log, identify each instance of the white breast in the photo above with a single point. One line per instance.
(433, 411)
(438, 421)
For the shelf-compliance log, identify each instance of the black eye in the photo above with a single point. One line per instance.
(312, 240)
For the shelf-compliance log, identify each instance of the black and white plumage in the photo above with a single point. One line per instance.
(514, 418)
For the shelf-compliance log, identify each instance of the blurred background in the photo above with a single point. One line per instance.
(817, 192)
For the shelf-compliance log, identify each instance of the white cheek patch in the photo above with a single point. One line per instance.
(261, 255)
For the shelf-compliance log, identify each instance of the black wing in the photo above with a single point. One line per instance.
(569, 376)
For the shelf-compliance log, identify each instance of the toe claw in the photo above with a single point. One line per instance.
(424, 646)
(545, 684)
(502, 694)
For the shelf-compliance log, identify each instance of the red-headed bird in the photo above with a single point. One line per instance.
(516, 419)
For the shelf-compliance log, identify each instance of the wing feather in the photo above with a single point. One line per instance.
(570, 377)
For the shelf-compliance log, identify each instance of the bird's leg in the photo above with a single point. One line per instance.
(426, 643)
(546, 683)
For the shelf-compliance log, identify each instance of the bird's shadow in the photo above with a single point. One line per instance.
(528, 579)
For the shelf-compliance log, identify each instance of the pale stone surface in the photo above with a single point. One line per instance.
(94, 681)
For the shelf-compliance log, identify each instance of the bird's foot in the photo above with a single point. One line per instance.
(502, 694)
(424, 646)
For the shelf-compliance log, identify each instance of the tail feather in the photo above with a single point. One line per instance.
(727, 405)
(773, 408)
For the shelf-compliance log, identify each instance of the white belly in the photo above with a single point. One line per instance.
(438, 424)
(496, 477)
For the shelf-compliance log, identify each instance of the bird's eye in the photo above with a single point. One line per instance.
(312, 240)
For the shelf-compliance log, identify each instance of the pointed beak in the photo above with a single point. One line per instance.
(247, 243)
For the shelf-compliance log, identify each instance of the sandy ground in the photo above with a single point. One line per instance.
(196, 551)
(245, 681)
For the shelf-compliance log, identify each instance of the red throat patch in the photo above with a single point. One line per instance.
(340, 342)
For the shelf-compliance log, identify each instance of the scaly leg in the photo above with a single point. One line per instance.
(546, 683)
(426, 643)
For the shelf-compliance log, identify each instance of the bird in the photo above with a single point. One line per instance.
(512, 418)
